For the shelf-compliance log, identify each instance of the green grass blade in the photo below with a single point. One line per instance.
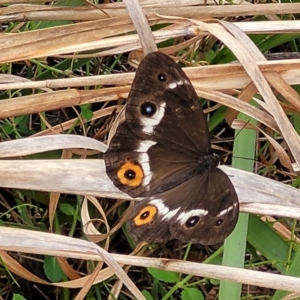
(235, 244)
(294, 270)
(267, 242)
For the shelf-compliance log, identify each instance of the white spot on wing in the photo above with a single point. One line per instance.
(225, 211)
(183, 217)
(144, 162)
(170, 214)
(172, 85)
(164, 210)
(159, 204)
(145, 145)
(150, 123)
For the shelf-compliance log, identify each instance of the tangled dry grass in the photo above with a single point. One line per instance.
(45, 54)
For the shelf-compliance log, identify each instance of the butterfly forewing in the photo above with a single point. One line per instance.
(164, 106)
(162, 167)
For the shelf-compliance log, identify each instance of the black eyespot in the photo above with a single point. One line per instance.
(129, 174)
(219, 222)
(148, 109)
(145, 215)
(192, 221)
(161, 77)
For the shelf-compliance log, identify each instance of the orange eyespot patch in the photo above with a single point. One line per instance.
(145, 216)
(130, 174)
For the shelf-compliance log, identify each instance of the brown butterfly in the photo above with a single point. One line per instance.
(162, 152)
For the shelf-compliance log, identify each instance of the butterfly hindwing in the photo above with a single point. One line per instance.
(206, 214)
(210, 209)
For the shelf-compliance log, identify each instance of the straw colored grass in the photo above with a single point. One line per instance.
(107, 30)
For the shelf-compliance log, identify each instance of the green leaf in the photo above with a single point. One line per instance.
(7, 128)
(147, 295)
(67, 209)
(210, 55)
(52, 269)
(18, 297)
(21, 120)
(191, 294)
(165, 276)
(217, 118)
(214, 281)
(86, 112)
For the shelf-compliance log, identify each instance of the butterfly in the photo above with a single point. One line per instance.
(162, 153)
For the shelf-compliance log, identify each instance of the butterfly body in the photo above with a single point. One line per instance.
(162, 152)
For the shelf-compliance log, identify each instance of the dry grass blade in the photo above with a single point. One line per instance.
(70, 123)
(21, 240)
(189, 9)
(52, 244)
(90, 230)
(284, 89)
(246, 108)
(141, 25)
(228, 76)
(246, 95)
(53, 39)
(55, 100)
(88, 177)
(83, 292)
(107, 30)
(248, 54)
(281, 229)
(291, 296)
(32, 145)
(86, 36)
(110, 261)
(249, 62)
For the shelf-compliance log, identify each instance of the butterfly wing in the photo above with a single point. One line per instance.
(210, 209)
(165, 130)
(158, 154)
(202, 210)
(163, 106)
(157, 168)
